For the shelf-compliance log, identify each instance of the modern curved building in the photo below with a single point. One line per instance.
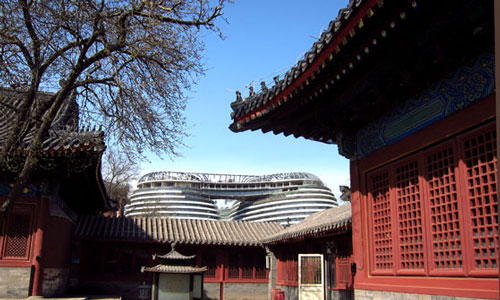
(285, 197)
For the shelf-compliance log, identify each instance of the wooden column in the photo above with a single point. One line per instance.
(497, 85)
(38, 246)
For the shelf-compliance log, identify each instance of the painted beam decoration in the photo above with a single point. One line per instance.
(469, 84)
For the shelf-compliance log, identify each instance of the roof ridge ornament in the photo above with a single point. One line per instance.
(263, 86)
(251, 91)
(276, 79)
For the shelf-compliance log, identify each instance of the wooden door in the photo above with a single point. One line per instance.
(311, 278)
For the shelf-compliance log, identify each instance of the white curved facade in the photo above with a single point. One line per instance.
(286, 197)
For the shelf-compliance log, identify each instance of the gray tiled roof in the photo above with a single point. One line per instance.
(332, 219)
(173, 269)
(182, 231)
(64, 134)
(243, 106)
(174, 254)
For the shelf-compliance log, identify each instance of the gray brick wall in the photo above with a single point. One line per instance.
(54, 281)
(211, 290)
(245, 291)
(341, 295)
(14, 282)
(291, 292)
(375, 295)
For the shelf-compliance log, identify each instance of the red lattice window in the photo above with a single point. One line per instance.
(344, 275)
(287, 268)
(310, 269)
(281, 269)
(382, 222)
(479, 157)
(409, 212)
(18, 235)
(444, 213)
(293, 270)
(248, 266)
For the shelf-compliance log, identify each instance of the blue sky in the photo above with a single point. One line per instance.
(263, 38)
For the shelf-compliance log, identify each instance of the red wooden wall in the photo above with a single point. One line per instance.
(425, 210)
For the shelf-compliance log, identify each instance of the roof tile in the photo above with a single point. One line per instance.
(245, 106)
(167, 230)
(329, 219)
(64, 134)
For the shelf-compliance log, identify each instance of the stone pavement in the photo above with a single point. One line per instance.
(66, 298)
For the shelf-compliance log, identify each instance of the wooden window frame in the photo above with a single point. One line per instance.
(26, 210)
(343, 269)
(287, 268)
(456, 143)
(243, 256)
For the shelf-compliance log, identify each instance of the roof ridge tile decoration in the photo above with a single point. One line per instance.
(183, 231)
(332, 219)
(64, 135)
(242, 107)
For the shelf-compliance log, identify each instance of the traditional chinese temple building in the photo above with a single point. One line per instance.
(108, 254)
(314, 256)
(35, 235)
(406, 89)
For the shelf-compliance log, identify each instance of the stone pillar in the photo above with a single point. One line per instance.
(271, 263)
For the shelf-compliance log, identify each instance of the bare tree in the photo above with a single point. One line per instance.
(128, 61)
(118, 172)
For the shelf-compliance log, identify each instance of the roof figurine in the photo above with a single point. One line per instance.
(276, 80)
(341, 83)
(251, 92)
(263, 86)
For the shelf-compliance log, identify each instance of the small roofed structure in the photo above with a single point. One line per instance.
(109, 253)
(176, 278)
(324, 237)
(326, 222)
